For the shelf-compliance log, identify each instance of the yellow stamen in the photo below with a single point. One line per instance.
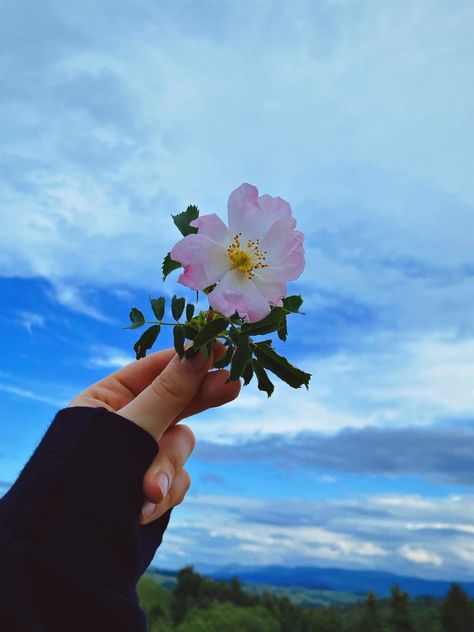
(246, 258)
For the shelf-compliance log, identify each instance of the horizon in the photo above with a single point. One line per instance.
(360, 116)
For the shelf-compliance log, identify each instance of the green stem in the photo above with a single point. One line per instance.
(157, 322)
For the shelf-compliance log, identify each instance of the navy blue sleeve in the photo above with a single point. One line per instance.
(71, 546)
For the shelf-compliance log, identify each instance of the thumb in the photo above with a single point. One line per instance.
(155, 408)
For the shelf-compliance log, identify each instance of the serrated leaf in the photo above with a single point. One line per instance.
(190, 331)
(279, 365)
(248, 373)
(158, 307)
(136, 325)
(268, 324)
(207, 349)
(263, 381)
(283, 330)
(225, 360)
(169, 265)
(146, 341)
(189, 311)
(210, 330)
(191, 352)
(137, 318)
(182, 220)
(293, 303)
(178, 337)
(241, 357)
(177, 307)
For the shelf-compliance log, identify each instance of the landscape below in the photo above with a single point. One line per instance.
(267, 602)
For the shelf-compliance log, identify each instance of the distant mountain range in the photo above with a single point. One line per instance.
(333, 579)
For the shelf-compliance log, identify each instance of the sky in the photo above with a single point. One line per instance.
(114, 115)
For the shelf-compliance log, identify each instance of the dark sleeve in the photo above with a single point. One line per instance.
(71, 547)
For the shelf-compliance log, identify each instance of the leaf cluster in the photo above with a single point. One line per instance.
(244, 356)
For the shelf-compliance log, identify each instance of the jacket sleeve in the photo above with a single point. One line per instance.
(71, 547)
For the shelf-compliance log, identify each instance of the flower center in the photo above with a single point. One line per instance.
(246, 257)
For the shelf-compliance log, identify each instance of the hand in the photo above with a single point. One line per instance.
(155, 393)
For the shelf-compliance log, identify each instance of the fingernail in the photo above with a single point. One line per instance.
(163, 481)
(148, 509)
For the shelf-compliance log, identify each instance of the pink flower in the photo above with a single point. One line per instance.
(251, 261)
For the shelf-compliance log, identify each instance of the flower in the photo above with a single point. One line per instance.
(250, 261)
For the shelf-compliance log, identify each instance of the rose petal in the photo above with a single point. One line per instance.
(243, 211)
(212, 226)
(292, 266)
(275, 208)
(236, 293)
(253, 216)
(204, 261)
(271, 285)
(280, 240)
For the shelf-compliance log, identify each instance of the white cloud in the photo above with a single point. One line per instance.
(387, 381)
(30, 320)
(109, 357)
(28, 394)
(420, 556)
(185, 112)
(367, 531)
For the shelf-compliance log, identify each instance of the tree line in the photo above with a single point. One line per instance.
(201, 604)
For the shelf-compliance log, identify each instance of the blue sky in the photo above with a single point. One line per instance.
(112, 116)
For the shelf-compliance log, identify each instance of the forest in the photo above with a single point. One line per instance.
(196, 603)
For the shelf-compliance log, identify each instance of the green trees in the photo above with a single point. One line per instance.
(457, 613)
(371, 620)
(226, 617)
(194, 603)
(400, 617)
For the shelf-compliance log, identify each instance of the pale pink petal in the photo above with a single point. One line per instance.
(203, 260)
(244, 214)
(293, 265)
(212, 226)
(280, 240)
(236, 293)
(252, 215)
(271, 285)
(274, 207)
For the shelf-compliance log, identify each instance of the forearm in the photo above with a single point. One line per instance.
(70, 540)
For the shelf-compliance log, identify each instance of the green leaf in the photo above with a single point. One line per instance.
(158, 307)
(270, 323)
(279, 365)
(207, 349)
(293, 303)
(189, 311)
(263, 381)
(191, 352)
(248, 373)
(182, 220)
(169, 265)
(241, 357)
(190, 331)
(178, 336)
(283, 330)
(208, 290)
(210, 330)
(137, 319)
(225, 360)
(146, 341)
(177, 307)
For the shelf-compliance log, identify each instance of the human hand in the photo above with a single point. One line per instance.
(155, 393)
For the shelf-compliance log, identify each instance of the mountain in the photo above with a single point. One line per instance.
(334, 579)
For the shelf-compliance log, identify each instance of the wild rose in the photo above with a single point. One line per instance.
(250, 261)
